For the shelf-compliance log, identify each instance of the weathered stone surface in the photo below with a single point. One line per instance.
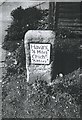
(39, 71)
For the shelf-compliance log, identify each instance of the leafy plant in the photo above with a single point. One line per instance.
(22, 21)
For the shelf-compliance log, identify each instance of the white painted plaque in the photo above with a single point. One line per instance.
(40, 53)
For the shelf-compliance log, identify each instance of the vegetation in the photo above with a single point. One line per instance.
(22, 21)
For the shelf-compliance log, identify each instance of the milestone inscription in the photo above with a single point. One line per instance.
(40, 53)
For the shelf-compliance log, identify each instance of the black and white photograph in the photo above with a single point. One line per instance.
(40, 59)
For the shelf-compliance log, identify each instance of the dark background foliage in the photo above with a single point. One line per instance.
(67, 43)
(22, 21)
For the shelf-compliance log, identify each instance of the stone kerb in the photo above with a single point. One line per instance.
(39, 65)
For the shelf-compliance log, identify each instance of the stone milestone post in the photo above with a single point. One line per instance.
(39, 49)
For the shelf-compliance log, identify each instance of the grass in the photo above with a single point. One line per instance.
(61, 99)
